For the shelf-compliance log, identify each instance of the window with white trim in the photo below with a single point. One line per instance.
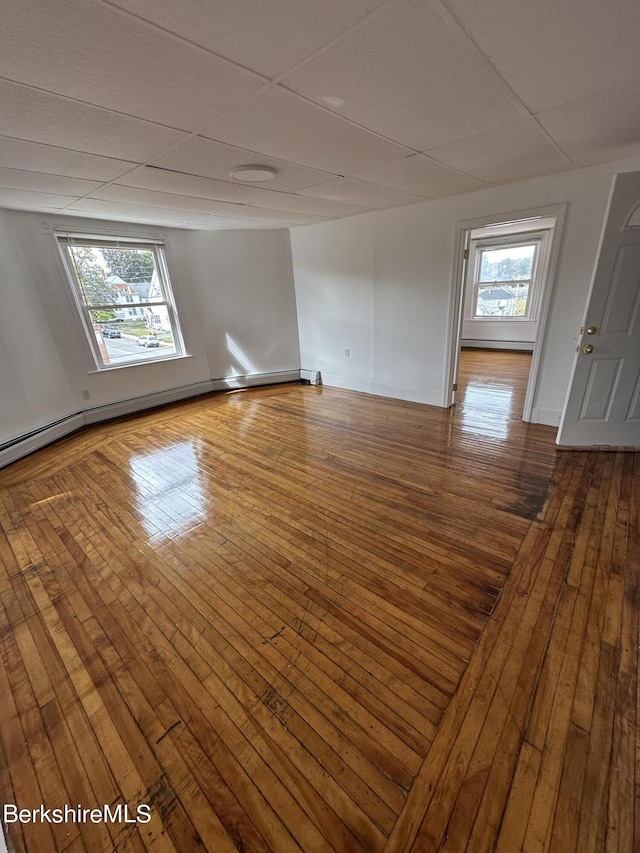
(123, 293)
(504, 278)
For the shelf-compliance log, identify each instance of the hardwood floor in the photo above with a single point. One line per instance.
(302, 618)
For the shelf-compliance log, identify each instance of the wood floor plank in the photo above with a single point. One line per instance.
(197, 599)
(470, 706)
(185, 674)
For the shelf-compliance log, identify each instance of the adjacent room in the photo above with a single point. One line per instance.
(319, 425)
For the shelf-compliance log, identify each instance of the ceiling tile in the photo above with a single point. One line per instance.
(314, 206)
(199, 156)
(151, 178)
(283, 216)
(34, 157)
(517, 150)
(401, 75)
(38, 182)
(421, 176)
(553, 52)
(267, 37)
(281, 124)
(599, 128)
(39, 117)
(33, 200)
(170, 201)
(95, 53)
(353, 191)
(96, 208)
(217, 222)
(181, 203)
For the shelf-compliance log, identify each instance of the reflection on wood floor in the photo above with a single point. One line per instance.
(302, 618)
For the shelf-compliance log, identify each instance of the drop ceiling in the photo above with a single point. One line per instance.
(139, 110)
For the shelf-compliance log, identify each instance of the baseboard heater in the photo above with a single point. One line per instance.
(477, 343)
(21, 446)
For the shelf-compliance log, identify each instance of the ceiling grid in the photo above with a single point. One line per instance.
(140, 110)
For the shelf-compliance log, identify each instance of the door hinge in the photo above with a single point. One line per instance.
(455, 386)
(465, 255)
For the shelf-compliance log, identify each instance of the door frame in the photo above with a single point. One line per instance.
(456, 299)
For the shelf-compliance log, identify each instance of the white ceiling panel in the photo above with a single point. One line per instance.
(283, 125)
(555, 51)
(353, 191)
(199, 156)
(284, 216)
(400, 75)
(517, 150)
(267, 37)
(420, 176)
(219, 222)
(96, 208)
(39, 117)
(33, 200)
(90, 51)
(153, 178)
(37, 182)
(599, 128)
(34, 157)
(171, 201)
(314, 206)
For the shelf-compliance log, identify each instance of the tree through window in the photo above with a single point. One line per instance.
(123, 292)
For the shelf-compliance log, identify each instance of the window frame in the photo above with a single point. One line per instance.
(524, 238)
(65, 241)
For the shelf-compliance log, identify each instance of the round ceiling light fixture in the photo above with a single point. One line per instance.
(253, 174)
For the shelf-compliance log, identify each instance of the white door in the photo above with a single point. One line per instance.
(603, 404)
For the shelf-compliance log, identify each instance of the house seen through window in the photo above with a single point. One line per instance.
(503, 280)
(123, 293)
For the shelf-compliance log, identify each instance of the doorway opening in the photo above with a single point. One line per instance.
(503, 279)
(491, 391)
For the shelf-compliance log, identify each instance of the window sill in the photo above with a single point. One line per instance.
(159, 360)
(502, 319)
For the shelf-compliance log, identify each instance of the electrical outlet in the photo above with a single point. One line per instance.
(85, 394)
(347, 354)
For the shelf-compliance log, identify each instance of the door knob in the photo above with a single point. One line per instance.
(591, 330)
(588, 349)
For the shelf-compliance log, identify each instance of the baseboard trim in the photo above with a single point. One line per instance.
(21, 446)
(549, 417)
(402, 392)
(383, 389)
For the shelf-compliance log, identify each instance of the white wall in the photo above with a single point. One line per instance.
(243, 284)
(34, 388)
(380, 283)
(237, 283)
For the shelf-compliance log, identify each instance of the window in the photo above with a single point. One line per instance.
(123, 293)
(504, 279)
